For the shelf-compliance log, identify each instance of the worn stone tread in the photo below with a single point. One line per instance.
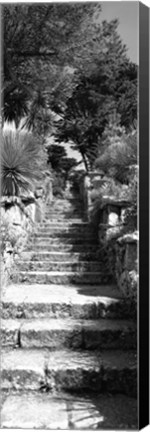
(33, 292)
(113, 371)
(56, 333)
(63, 277)
(59, 265)
(57, 255)
(62, 240)
(55, 219)
(65, 234)
(66, 411)
(74, 241)
(61, 273)
(78, 301)
(66, 247)
(25, 358)
(63, 223)
(64, 229)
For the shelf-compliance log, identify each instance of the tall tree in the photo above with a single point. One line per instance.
(60, 50)
(109, 84)
(39, 42)
(60, 162)
(55, 155)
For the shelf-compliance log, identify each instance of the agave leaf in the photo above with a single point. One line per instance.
(20, 166)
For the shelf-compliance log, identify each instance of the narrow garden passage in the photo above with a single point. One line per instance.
(69, 229)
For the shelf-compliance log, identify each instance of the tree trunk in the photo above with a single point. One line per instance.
(85, 162)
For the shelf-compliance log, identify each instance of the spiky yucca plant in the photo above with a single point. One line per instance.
(20, 163)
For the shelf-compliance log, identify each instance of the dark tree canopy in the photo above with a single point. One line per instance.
(59, 57)
(55, 155)
(111, 84)
(43, 44)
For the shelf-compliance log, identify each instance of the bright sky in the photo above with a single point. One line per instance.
(127, 14)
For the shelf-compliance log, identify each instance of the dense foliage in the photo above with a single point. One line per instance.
(20, 163)
(59, 57)
(61, 165)
(117, 158)
(43, 45)
(111, 83)
(119, 163)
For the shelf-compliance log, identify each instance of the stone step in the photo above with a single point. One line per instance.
(70, 235)
(66, 412)
(60, 219)
(56, 301)
(68, 224)
(109, 371)
(62, 216)
(63, 212)
(58, 256)
(45, 241)
(51, 247)
(68, 333)
(62, 266)
(59, 277)
(62, 205)
(65, 229)
(62, 209)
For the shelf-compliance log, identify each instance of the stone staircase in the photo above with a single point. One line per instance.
(69, 344)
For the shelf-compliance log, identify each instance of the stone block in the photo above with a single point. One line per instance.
(131, 256)
(9, 332)
(22, 369)
(128, 284)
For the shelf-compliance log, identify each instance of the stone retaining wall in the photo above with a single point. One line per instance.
(127, 265)
(121, 249)
(18, 218)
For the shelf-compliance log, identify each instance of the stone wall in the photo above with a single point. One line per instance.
(121, 249)
(127, 265)
(18, 217)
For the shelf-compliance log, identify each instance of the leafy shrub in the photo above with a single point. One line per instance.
(9, 239)
(20, 166)
(117, 158)
(110, 188)
(14, 236)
